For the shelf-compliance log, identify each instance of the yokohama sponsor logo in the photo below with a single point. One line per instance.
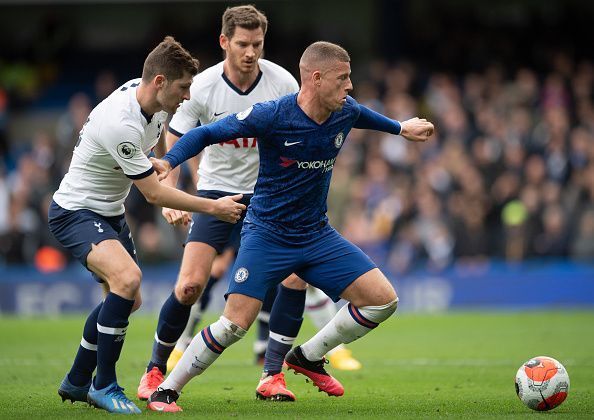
(324, 165)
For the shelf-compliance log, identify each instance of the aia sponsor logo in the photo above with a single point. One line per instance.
(241, 142)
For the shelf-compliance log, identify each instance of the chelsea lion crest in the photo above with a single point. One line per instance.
(241, 275)
(338, 140)
(244, 114)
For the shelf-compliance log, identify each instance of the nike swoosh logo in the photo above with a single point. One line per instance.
(285, 340)
(216, 114)
(291, 143)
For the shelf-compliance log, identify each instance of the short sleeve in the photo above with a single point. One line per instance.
(123, 143)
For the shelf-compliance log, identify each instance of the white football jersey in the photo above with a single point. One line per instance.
(111, 151)
(231, 166)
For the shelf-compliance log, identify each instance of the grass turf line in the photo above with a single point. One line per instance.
(454, 365)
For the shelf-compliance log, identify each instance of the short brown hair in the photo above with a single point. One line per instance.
(170, 59)
(322, 51)
(247, 17)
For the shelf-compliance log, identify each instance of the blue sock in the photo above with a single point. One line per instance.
(85, 361)
(112, 324)
(285, 321)
(172, 322)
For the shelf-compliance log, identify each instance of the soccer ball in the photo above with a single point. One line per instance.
(542, 383)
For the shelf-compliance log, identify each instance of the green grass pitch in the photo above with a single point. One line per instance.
(458, 365)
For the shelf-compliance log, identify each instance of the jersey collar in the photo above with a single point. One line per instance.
(236, 89)
(146, 116)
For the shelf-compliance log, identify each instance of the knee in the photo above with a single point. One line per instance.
(137, 302)
(241, 310)
(380, 313)
(294, 282)
(189, 288)
(218, 270)
(233, 329)
(390, 295)
(126, 282)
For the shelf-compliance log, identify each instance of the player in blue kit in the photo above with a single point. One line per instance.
(286, 229)
(242, 79)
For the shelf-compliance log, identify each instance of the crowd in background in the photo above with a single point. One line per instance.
(509, 174)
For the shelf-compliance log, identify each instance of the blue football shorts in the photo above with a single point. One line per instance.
(77, 230)
(330, 263)
(214, 232)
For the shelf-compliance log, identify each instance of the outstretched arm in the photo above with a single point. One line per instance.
(228, 210)
(193, 142)
(250, 123)
(415, 129)
(174, 216)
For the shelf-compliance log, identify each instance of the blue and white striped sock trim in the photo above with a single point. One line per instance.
(112, 330)
(85, 344)
(359, 318)
(212, 344)
(164, 343)
(282, 338)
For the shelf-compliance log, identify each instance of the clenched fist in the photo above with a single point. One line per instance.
(417, 129)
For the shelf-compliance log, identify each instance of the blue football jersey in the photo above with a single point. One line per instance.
(296, 159)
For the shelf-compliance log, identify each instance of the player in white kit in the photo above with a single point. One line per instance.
(228, 168)
(87, 212)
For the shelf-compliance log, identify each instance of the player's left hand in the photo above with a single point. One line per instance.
(162, 167)
(417, 129)
(176, 217)
(228, 209)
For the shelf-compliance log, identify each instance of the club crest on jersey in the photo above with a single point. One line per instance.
(98, 226)
(126, 150)
(338, 140)
(243, 114)
(241, 275)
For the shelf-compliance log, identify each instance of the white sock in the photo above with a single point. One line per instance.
(319, 307)
(204, 349)
(349, 324)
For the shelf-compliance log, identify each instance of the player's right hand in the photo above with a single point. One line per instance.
(162, 167)
(227, 209)
(176, 217)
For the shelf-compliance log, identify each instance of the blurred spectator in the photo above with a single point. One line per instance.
(3, 124)
(582, 249)
(509, 174)
(152, 246)
(69, 125)
(516, 239)
(105, 83)
(553, 240)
